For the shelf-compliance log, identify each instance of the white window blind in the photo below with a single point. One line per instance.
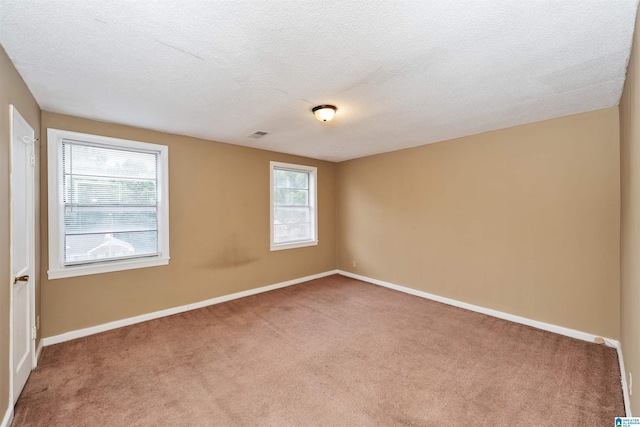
(110, 203)
(293, 205)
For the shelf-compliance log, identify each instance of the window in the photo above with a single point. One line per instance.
(293, 206)
(108, 204)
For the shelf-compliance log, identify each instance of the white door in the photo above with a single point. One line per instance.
(22, 250)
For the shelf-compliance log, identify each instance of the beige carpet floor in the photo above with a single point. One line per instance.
(330, 352)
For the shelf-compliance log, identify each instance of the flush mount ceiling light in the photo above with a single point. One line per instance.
(324, 113)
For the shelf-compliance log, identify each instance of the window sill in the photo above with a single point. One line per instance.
(284, 246)
(85, 270)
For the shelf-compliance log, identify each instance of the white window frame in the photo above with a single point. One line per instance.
(57, 269)
(313, 203)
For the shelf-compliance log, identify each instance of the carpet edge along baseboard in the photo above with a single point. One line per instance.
(561, 330)
(584, 336)
(92, 330)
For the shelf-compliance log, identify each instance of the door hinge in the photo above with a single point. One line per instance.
(34, 333)
(33, 159)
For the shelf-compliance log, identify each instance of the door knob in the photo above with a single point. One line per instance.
(20, 279)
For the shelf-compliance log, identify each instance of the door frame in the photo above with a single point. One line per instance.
(15, 115)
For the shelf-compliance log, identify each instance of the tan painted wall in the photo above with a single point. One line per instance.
(12, 91)
(630, 219)
(219, 233)
(522, 220)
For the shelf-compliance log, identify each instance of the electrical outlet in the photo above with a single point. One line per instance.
(38, 323)
(354, 264)
(630, 384)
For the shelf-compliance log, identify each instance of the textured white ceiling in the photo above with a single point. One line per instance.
(402, 73)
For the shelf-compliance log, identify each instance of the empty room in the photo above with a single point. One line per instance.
(307, 213)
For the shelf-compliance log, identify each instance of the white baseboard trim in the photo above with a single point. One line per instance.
(8, 417)
(623, 380)
(71, 335)
(38, 352)
(495, 313)
(513, 318)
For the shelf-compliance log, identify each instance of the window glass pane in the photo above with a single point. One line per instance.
(293, 197)
(101, 247)
(291, 179)
(84, 220)
(287, 233)
(291, 224)
(110, 197)
(102, 190)
(286, 196)
(103, 161)
(293, 215)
